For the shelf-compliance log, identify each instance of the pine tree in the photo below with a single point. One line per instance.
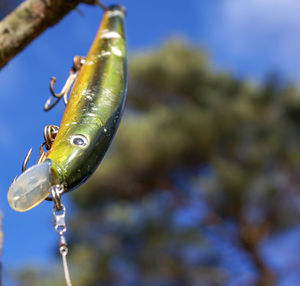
(203, 165)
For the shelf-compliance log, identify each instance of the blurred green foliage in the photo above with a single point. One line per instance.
(204, 168)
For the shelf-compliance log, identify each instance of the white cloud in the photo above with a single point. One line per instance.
(269, 13)
(261, 32)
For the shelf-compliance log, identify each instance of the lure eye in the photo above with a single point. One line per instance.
(78, 140)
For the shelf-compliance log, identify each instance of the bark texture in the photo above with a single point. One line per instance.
(28, 21)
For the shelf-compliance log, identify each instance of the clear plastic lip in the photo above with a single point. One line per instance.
(31, 187)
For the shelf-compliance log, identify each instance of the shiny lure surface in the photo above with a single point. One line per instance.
(89, 122)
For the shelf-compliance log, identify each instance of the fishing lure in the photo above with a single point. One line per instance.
(75, 148)
(92, 114)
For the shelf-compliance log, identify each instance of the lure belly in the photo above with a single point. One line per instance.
(89, 122)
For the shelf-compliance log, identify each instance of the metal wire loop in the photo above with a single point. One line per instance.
(56, 192)
(60, 227)
(63, 250)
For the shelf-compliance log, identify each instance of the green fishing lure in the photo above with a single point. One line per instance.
(92, 114)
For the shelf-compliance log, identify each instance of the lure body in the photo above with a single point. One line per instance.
(95, 105)
(90, 119)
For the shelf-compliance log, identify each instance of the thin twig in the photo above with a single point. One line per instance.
(101, 5)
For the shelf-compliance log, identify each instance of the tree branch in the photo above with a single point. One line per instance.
(28, 21)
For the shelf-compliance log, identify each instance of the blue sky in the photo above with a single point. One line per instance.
(254, 37)
(249, 38)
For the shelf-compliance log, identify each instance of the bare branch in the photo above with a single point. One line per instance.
(28, 21)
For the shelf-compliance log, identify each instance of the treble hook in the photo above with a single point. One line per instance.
(49, 133)
(77, 63)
